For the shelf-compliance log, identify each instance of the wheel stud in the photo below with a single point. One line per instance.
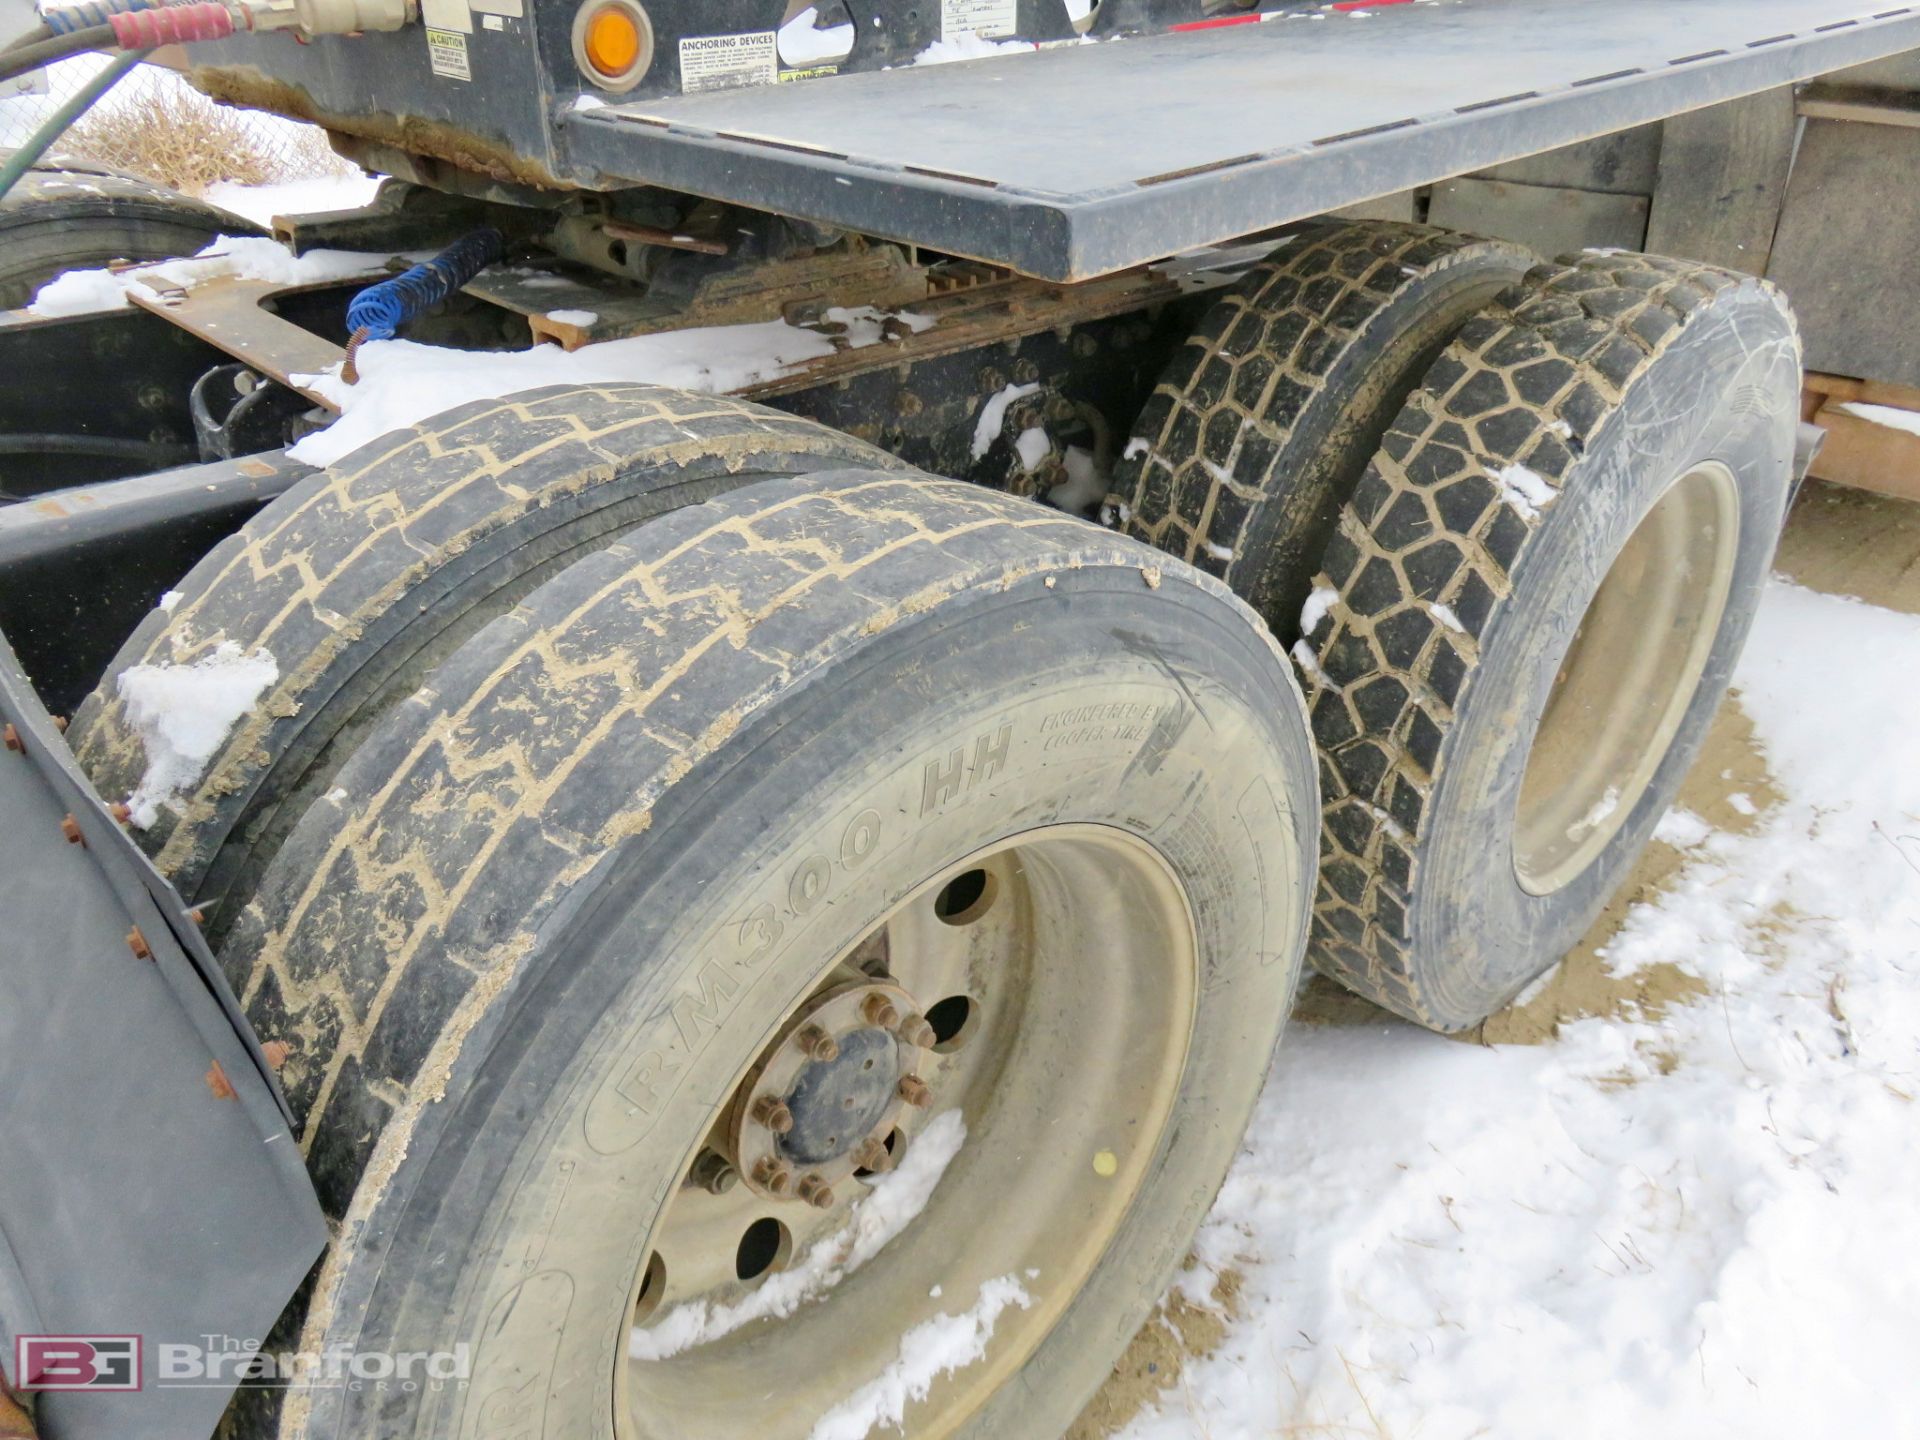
(818, 1045)
(914, 1091)
(916, 1031)
(816, 1192)
(773, 1113)
(772, 1176)
(879, 1011)
(873, 1156)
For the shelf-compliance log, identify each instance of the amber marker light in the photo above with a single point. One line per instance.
(613, 43)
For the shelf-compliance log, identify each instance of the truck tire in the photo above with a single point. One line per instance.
(900, 764)
(358, 580)
(1529, 614)
(56, 220)
(1260, 428)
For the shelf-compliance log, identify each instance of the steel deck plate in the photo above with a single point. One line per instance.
(1078, 160)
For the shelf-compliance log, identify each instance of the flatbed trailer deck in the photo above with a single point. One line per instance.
(1078, 160)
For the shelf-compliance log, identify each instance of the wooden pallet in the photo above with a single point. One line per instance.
(1860, 451)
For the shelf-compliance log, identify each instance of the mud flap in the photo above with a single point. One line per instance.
(151, 1194)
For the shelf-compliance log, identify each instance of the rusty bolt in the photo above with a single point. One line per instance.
(773, 1113)
(137, 943)
(818, 1045)
(816, 1192)
(914, 1091)
(13, 741)
(772, 1176)
(873, 1155)
(275, 1053)
(197, 915)
(916, 1031)
(121, 811)
(70, 828)
(879, 1011)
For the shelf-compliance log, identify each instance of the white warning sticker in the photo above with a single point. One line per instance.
(447, 53)
(728, 62)
(986, 18)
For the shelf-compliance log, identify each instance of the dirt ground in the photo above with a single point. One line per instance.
(1843, 542)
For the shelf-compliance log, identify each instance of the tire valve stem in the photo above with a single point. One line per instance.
(713, 1174)
(773, 1113)
(914, 1091)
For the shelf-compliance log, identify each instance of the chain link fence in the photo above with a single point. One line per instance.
(156, 125)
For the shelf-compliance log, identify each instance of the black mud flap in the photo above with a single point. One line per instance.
(151, 1194)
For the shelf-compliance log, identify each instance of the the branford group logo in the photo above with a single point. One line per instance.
(76, 1362)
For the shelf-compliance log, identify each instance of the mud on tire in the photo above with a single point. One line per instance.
(1264, 421)
(554, 905)
(1499, 730)
(358, 580)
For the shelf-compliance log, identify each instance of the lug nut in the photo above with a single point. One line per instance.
(816, 1192)
(914, 1091)
(774, 1114)
(13, 740)
(70, 828)
(879, 1011)
(816, 1044)
(137, 943)
(873, 1156)
(772, 1176)
(916, 1031)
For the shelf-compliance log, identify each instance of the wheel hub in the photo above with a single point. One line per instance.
(823, 1100)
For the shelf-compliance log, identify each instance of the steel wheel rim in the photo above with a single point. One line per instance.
(1073, 948)
(1627, 679)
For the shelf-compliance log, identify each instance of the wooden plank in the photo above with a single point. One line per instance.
(1553, 220)
(1864, 453)
(1873, 392)
(1848, 249)
(1863, 106)
(1723, 175)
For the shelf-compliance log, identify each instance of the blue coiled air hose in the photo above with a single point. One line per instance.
(380, 310)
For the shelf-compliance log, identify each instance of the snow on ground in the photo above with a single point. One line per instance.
(402, 383)
(1698, 1226)
(182, 713)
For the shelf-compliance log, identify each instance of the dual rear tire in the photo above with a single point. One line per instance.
(560, 912)
(1541, 508)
